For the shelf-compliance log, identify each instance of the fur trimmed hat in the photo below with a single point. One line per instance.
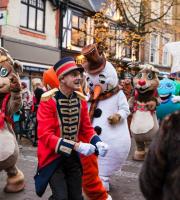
(95, 62)
(65, 65)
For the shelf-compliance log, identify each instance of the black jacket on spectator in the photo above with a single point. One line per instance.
(160, 174)
(38, 92)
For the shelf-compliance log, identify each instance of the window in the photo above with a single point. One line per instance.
(89, 30)
(127, 51)
(78, 30)
(66, 34)
(111, 10)
(154, 49)
(166, 56)
(33, 14)
(155, 9)
(168, 17)
(113, 40)
(78, 34)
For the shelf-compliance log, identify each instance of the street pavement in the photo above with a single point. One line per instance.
(123, 184)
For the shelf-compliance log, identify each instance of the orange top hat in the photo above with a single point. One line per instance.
(95, 63)
(50, 78)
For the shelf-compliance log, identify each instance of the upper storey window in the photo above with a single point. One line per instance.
(78, 33)
(33, 15)
(154, 45)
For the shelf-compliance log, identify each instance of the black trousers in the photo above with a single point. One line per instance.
(66, 182)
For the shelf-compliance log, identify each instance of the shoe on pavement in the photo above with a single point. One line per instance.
(105, 181)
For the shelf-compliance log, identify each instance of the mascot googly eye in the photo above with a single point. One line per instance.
(3, 72)
(150, 76)
(139, 75)
(169, 86)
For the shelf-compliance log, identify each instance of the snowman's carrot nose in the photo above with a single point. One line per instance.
(97, 91)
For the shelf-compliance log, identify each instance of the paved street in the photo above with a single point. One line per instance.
(124, 184)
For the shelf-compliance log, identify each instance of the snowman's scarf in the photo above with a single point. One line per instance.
(102, 96)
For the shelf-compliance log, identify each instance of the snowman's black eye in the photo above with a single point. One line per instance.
(102, 78)
(102, 81)
(3, 72)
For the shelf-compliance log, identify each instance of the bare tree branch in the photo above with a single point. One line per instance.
(161, 16)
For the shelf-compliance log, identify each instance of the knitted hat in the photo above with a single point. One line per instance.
(95, 63)
(65, 65)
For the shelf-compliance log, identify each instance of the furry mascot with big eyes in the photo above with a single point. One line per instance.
(169, 101)
(144, 124)
(10, 102)
(108, 110)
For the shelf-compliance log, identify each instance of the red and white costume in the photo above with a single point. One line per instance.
(49, 134)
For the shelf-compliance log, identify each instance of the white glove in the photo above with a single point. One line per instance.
(102, 148)
(86, 148)
(175, 99)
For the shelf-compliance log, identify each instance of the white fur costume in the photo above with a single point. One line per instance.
(116, 136)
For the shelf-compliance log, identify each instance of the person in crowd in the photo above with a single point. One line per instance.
(27, 105)
(92, 185)
(26, 97)
(17, 123)
(128, 90)
(64, 131)
(160, 174)
(38, 90)
(127, 86)
(121, 82)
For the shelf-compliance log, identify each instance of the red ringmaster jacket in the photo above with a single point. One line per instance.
(50, 143)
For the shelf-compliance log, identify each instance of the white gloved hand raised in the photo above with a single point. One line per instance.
(102, 148)
(85, 148)
(175, 99)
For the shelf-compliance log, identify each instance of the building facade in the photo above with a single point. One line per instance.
(40, 32)
(163, 31)
(30, 33)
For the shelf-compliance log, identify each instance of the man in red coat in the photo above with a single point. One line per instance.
(64, 131)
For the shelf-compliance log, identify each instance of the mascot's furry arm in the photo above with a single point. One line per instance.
(15, 100)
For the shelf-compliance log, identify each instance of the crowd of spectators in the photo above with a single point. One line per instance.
(25, 118)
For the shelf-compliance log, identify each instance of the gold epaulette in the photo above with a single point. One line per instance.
(81, 95)
(49, 94)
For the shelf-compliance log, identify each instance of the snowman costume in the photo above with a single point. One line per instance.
(115, 135)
